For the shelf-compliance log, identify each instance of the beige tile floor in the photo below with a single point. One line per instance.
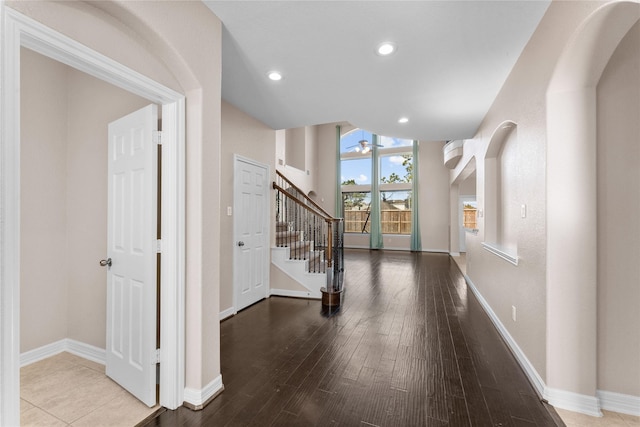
(67, 390)
(610, 419)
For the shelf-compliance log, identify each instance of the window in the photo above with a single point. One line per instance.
(470, 215)
(357, 212)
(395, 212)
(395, 171)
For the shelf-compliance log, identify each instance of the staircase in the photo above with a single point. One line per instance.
(308, 244)
(299, 248)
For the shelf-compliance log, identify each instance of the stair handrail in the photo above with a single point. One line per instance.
(333, 250)
(301, 203)
(307, 198)
(327, 218)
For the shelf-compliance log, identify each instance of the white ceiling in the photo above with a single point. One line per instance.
(451, 61)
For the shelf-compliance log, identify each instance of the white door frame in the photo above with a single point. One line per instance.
(17, 30)
(236, 287)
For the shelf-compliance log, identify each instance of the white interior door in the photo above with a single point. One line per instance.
(251, 225)
(131, 254)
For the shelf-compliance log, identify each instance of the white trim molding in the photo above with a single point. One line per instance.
(293, 294)
(198, 399)
(494, 249)
(9, 220)
(297, 270)
(588, 405)
(41, 353)
(522, 359)
(86, 351)
(575, 402)
(227, 313)
(80, 349)
(621, 403)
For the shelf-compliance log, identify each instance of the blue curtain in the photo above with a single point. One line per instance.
(338, 210)
(416, 241)
(375, 238)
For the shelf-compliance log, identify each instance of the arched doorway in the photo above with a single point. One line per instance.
(572, 246)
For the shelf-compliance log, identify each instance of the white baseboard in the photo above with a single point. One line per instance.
(297, 270)
(293, 294)
(621, 403)
(570, 401)
(227, 313)
(78, 348)
(524, 362)
(87, 351)
(588, 405)
(40, 353)
(437, 251)
(197, 399)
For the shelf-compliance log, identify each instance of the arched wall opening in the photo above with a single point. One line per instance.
(571, 274)
(500, 202)
(456, 190)
(618, 239)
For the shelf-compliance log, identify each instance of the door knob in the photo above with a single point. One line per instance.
(240, 243)
(105, 262)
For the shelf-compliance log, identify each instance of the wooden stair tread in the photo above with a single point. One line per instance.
(299, 244)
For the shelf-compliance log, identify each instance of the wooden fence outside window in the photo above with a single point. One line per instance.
(469, 219)
(393, 221)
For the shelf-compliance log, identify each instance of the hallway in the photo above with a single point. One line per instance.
(410, 346)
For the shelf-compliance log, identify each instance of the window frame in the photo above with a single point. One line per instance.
(382, 187)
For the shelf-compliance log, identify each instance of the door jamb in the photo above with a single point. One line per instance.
(17, 30)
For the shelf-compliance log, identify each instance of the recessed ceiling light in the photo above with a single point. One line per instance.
(274, 75)
(403, 120)
(385, 48)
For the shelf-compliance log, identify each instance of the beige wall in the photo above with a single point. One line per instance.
(468, 186)
(43, 228)
(249, 138)
(618, 225)
(297, 149)
(69, 294)
(522, 100)
(152, 38)
(92, 104)
(434, 197)
(326, 164)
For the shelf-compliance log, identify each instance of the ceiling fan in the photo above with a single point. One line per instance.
(363, 146)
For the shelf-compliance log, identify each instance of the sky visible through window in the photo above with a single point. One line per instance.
(359, 170)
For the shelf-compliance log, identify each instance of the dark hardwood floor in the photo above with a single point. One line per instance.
(410, 346)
